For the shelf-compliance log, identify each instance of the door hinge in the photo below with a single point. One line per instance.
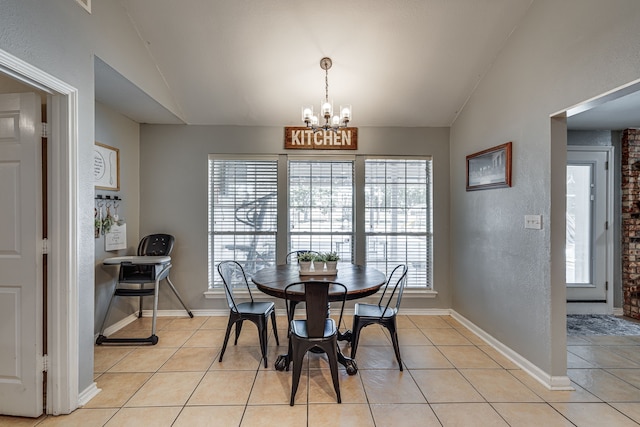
(606, 286)
(606, 165)
(45, 246)
(606, 225)
(45, 130)
(45, 363)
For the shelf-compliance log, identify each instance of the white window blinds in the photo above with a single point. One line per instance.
(321, 206)
(242, 213)
(398, 217)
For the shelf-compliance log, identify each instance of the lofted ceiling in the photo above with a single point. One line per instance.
(409, 63)
(256, 62)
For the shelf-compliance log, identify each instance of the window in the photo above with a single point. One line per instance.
(398, 217)
(242, 213)
(321, 206)
(370, 210)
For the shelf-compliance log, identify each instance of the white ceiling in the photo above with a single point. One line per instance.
(402, 63)
(256, 62)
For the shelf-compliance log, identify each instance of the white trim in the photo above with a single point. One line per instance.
(549, 381)
(88, 394)
(121, 324)
(62, 379)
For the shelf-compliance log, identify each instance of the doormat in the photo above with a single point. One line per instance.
(589, 324)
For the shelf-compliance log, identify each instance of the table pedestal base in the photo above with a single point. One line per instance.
(283, 361)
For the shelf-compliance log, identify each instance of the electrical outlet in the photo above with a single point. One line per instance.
(533, 222)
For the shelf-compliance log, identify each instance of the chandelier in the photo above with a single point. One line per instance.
(331, 122)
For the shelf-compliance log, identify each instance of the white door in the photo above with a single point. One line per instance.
(588, 235)
(21, 367)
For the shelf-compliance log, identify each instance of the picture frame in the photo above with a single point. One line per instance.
(490, 168)
(106, 167)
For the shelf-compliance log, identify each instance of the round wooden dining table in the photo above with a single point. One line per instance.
(360, 281)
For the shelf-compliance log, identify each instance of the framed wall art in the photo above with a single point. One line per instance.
(490, 168)
(106, 167)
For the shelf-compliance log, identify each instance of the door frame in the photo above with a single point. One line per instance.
(607, 307)
(63, 269)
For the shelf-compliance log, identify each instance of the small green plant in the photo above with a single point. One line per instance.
(320, 257)
(306, 257)
(331, 256)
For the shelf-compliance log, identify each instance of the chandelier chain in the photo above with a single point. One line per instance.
(326, 85)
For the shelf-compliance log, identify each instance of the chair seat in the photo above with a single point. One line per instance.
(256, 307)
(299, 328)
(372, 310)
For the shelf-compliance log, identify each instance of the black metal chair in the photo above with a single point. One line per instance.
(257, 312)
(142, 274)
(318, 330)
(292, 257)
(382, 313)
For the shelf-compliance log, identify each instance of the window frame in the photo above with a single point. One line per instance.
(358, 224)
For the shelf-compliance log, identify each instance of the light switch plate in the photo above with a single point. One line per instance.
(533, 222)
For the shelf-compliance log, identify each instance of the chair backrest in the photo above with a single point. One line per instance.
(292, 257)
(394, 287)
(316, 298)
(156, 245)
(232, 274)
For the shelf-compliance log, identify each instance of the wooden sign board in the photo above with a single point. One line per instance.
(303, 138)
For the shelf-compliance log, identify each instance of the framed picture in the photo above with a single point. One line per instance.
(106, 167)
(490, 168)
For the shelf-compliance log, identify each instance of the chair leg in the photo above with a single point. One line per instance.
(155, 308)
(262, 332)
(355, 336)
(292, 312)
(238, 330)
(226, 337)
(297, 356)
(275, 328)
(333, 364)
(106, 316)
(175, 291)
(140, 304)
(394, 339)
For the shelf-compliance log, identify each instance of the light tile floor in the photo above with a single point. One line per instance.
(451, 378)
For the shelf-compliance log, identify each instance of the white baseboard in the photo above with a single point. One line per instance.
(87, 394)
(549, 381)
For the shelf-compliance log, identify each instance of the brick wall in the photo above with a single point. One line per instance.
(631, 222)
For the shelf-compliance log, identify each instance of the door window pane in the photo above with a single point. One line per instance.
(579, 223)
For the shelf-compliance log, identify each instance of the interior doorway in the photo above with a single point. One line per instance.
(62, 273)
(589, 230)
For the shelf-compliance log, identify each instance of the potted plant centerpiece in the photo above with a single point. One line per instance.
(318, 263)
(331, 260)
(304, 260)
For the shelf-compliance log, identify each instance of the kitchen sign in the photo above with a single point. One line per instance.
(303, 138)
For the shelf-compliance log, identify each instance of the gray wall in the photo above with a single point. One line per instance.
(61, 38)
(116, 130)
(173, 193)
(506, 279)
